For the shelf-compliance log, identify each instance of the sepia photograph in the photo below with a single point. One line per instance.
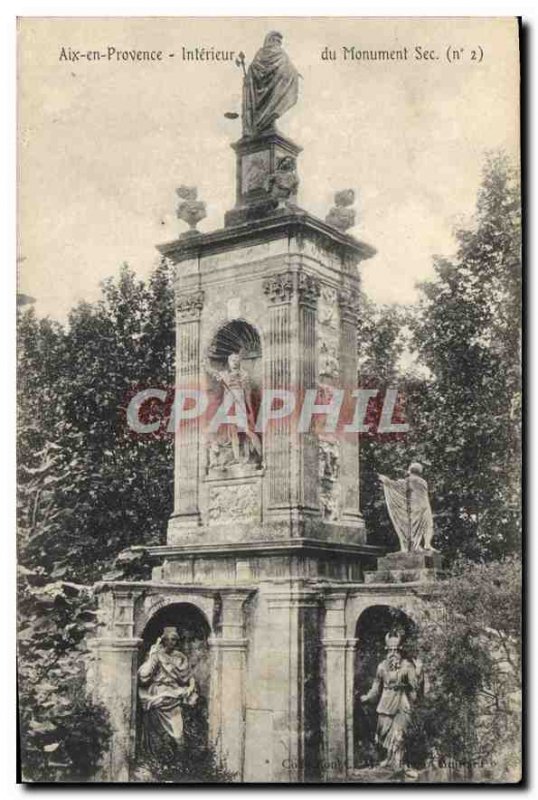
(269, 400)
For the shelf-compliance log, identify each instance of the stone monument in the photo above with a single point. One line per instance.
(266, 556)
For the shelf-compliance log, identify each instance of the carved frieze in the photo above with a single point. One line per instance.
(255, 171)
(328, 307)
(328, 334)
(328, 359)
(349, 305)
(231, 503)
(329, 473)
(189, 306)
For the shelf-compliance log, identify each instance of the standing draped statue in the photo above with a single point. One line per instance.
(270, 87)
(165, 685)
(409, 508)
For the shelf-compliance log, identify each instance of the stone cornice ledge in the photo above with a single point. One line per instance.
(154, 587)
(296, 223)
(262, 547)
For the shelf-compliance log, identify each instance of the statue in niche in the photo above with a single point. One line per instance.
(409, 508)
(166, 685)
(232, 445)
(397, 684)
(270, 87)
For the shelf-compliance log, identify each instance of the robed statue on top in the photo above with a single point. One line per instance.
(409, 509)
(270, 88)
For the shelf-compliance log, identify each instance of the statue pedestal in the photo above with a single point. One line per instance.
(259, 159)
(418, 565)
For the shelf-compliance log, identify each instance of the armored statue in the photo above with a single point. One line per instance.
(395, 688)
(270, 87)
(166, 685)
(246, 445)
(409, 508)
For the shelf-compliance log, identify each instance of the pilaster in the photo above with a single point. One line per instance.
(115, 686)
(291, 364)
(187, 449)
(349, 309)
(279, 291)
(337, 682)
(283, 699)
(227, 704)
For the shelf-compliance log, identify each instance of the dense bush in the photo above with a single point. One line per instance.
(63, 733)
(470, 715)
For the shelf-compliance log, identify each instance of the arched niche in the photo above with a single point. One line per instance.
(194, 630)
(230, 449)
(235, 336)
(371, 628)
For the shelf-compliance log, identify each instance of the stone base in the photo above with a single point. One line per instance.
(374, 775)
(416, 566)
(255, 211)
(277, 528)
(248, 563)
(281, 625)
(258, 158)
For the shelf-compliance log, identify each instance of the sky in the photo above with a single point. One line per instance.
(103, 145)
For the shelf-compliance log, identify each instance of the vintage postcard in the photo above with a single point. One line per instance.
(269, 434)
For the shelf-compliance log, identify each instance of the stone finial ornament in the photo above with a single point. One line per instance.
(190, 210)
(341, 216)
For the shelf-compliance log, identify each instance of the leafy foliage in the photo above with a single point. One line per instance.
(63, 732)
(470, 714)
(383, 339)
(463, 390)
(197, 763)
(87, 489)
(467, 333)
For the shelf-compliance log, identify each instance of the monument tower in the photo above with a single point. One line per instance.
(266, 542)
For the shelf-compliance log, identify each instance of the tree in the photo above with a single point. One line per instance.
(87, 488)
(383, 337)
(102, 487)
(467, 334)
